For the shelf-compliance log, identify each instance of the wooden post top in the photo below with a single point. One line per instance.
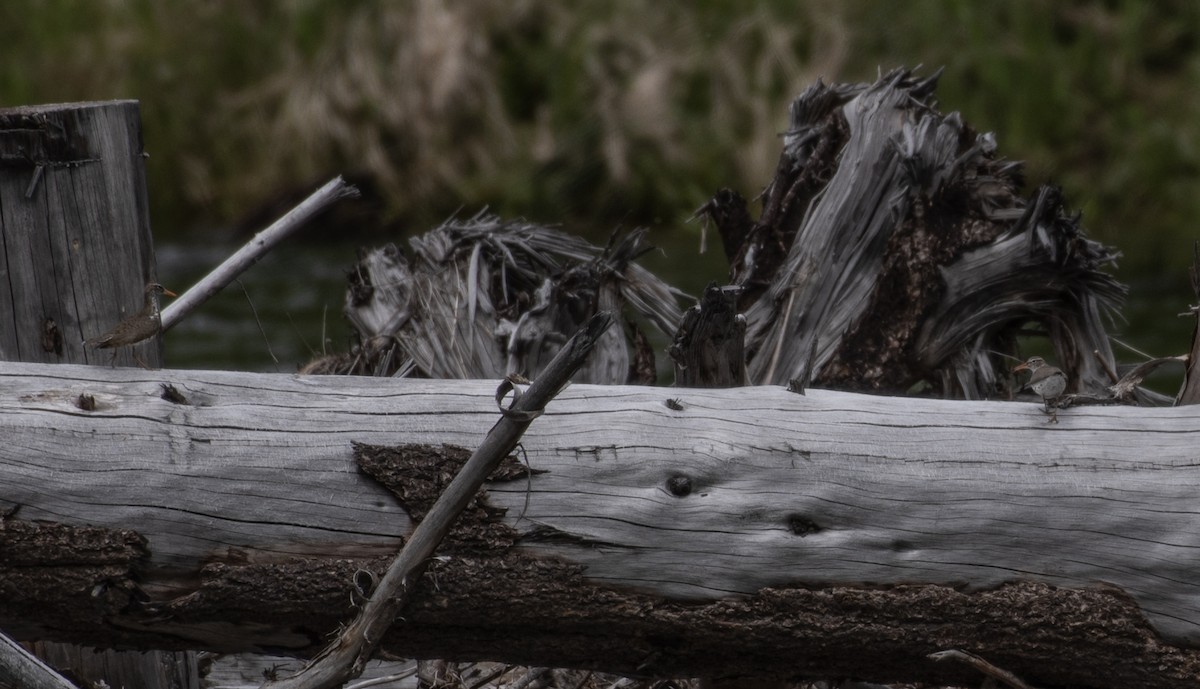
(75, 229)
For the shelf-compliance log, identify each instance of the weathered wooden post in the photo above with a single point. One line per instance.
(75, 230)
(75, 255)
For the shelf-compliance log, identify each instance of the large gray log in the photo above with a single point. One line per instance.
(719, 494)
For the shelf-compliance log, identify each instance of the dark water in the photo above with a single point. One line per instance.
(1153, 326)
(283, 311)
(287, 309)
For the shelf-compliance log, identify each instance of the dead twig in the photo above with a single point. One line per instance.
(1104, 364)
(345, 658)
(334, 190)
(983, 666)
(1124, 388)
(1190, 394)
(489, 677)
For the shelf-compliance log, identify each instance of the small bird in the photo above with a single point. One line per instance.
(140, 326)
(1046, 380)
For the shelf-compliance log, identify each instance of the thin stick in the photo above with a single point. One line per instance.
(490, 676)
(256, 248)
(1112, 374)
(983, 666)
(384, 680)
(258, 322)
(345, 658)
(1133, 349)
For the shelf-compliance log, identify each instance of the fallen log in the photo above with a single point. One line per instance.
(660, 532)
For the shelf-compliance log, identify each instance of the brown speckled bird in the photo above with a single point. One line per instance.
(140, 326)
(1047, 381)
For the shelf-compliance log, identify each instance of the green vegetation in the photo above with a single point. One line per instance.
(597, 114)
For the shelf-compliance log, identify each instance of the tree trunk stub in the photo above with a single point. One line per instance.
(709, 347)
(76, 230)
(813, 525)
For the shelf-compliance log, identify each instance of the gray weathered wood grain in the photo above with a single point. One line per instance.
(822, 488)
(74, 226)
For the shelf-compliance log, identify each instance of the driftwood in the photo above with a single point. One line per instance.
(75, 231)
(320, 200)
(486, 297)
(740, 531)
(894, 250)
(709, 347)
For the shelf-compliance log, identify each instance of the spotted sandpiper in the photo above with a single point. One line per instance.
(140, 326)
(1046, 380)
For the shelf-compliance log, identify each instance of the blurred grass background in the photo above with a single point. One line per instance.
(597, 114)
(602, 113)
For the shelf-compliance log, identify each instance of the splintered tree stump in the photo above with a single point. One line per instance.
(894, 250)
(485, 297)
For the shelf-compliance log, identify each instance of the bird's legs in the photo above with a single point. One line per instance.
(1051, 410)
(140, 361)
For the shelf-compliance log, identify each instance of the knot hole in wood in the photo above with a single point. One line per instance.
(802, 526)
(680, 486)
